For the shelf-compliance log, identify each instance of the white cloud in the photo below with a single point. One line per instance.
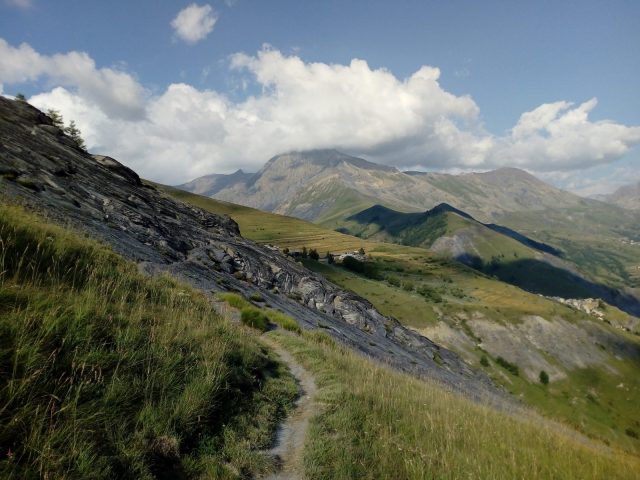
(115, 92)
(194, 22)
(23, 4)
(559, 136)
(187, 132)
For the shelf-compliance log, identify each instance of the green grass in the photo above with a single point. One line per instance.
(378, 423)
(105, 373)
(234, 299)
(283, 320)
(254, 318)
(268, 314)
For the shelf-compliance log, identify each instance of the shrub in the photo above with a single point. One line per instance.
(314, 255)
(393, 280)
(254, 318)
(408, 285)
(256, 297)
(429, 293)
(304, 253)
(361, 251)
(285, 250)
(632, 433)
(368, 269)
(20, 97)
(510, 367)
(56, 118)
(74, 132)
(544, 378)
(330, 258)
(484, 361)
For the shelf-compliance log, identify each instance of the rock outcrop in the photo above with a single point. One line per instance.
(44, 169)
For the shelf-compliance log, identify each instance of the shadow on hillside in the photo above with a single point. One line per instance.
(523, 239)
(540, 277)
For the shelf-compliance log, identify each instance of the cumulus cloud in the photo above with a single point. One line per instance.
(194, 23)
(115, 92)
(560, 136)
(187, 132)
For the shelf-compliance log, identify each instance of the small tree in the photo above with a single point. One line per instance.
(314, 255)
(74, 132)
(20, 97)
(330, 258)
(544, 378)
(56, 118)
(305, 253)
(361, 251)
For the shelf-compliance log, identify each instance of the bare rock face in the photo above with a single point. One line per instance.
(44, 169)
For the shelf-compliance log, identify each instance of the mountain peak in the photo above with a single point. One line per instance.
(445, 207)
(329, 158)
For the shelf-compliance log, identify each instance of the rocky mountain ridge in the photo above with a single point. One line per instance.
(45, 170)
(295, 183)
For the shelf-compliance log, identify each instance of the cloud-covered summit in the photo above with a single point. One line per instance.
(184, 132)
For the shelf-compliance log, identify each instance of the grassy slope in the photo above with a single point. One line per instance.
(486, 250)
(463, 292)
(105, 373)
(590, 236)
(378, 423)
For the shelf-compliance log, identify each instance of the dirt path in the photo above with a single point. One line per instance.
(291, 434)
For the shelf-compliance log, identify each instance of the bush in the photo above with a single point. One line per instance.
(74, 132)
(393, 280)
(254, 318)
(304, 253)
(314, 255)
(484, 361)
(256, 297)
(368, 269)
(544, 378)
(56, 118)
(510, 367)
(429, 293)
(408, 285)
(330, 258)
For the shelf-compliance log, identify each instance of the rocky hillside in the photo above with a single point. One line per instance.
(45, 170)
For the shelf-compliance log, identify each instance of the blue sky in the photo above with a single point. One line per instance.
(505, 57)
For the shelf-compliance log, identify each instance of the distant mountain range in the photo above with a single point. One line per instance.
(502, 208)
(324, 185)
(627, 196)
